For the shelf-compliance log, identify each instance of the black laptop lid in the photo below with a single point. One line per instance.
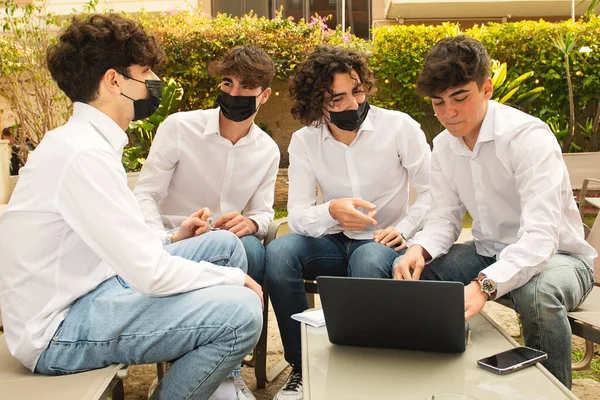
(412, 315)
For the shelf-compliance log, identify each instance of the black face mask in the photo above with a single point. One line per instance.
(237, 108)
(350, 120)
(143, 108)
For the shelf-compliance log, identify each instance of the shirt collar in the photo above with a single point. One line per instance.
(212, 127)
(111, 131)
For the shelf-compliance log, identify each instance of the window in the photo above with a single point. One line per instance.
(357, 12)
(237, 8)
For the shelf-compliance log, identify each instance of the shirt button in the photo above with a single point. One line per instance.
(477, 184)
(486, 234)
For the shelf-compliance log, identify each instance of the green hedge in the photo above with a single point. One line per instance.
(525, 46)
(192, 40)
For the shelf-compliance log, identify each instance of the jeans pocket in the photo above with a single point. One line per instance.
(123, 283)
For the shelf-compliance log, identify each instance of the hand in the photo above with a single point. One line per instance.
(390, 237)
(345, 212)
(196, 224)
(475, 299)
(412, 260)
(234, 222)
(256, 288)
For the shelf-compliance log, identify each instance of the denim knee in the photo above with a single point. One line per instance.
(255, 253)
(278, 254)
(245, 310)
(372, 260)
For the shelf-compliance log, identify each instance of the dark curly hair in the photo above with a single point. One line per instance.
(453, 62)
(93, 44)
(313, 79)
(250, 64)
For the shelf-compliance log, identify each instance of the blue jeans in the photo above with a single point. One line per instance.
(542, 303)
(207, 332)
(293, 258)
(255, 252)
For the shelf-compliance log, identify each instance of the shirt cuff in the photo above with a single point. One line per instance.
(428, 245)
(325, 218)
(235, 276)
(262, 228)
(499, 272)
(406, 228)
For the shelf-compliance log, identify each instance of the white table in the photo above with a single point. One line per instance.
(345, 372)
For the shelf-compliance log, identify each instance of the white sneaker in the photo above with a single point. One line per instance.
(292, 390)
(242, 391)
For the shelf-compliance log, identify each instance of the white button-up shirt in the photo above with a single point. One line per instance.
(516, 187)
(72, 223)
(191, 166)
(389, 151)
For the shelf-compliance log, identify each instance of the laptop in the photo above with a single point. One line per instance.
(395, 314)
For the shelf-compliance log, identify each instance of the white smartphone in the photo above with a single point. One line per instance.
(512, 360)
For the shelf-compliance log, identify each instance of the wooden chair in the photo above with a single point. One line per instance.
(584, 171)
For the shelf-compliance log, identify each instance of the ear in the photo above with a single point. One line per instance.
(488, 88)
(265, 95)
(111, 81)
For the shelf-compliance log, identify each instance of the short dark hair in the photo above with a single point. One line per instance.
(453, 62)
(250, 64)
(314, 77)
(93, 44)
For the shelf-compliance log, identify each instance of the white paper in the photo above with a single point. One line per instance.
(314, 318)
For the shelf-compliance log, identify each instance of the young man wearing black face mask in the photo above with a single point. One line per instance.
(362, 158)
(217, 165)
(84, 282)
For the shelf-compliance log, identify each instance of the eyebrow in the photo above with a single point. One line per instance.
(356, 85)
(457, 93)
(227, 80)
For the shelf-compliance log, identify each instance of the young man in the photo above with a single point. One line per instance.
(84, 282)
(362, 158)
(219, 162)
(505, 167)
(217, 159)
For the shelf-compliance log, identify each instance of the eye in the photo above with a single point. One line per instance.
(226, 83)
(461, 99)
(438, 104)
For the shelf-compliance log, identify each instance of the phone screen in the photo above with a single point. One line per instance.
(513, 359)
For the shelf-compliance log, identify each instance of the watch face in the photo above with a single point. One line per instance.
(488, 286)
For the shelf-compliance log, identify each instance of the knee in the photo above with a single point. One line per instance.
(246, 313)
(254, 248)
(279, 252)
(372, 260)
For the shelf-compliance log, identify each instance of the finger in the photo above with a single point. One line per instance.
(205, 214)
(398, 240)
(401, 247)
(225, 218)
(469, 312)
(201, 230)
(363, 203)
(393, 234)
(372, 214)
(359, 218)
(419, 265)
(381, 233)
(192, 223)
(240, 230)
(238, 219)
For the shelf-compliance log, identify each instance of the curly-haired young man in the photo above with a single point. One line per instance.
(84, 282)
(361, 158)
(505, 167)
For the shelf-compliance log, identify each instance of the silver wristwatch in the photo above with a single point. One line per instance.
(488, 286)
